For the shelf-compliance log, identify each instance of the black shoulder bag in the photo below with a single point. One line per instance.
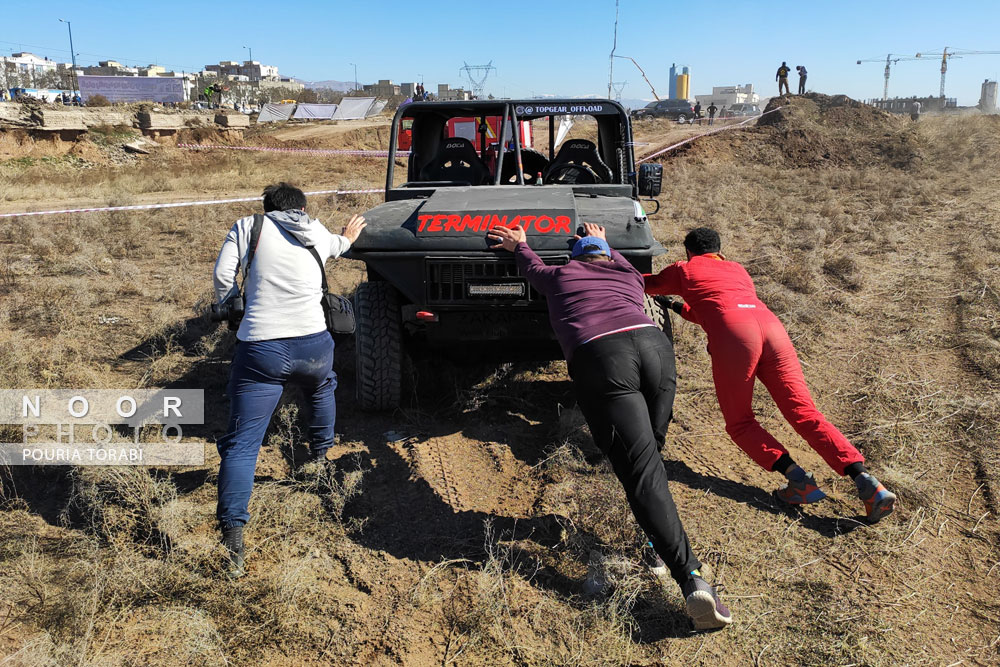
(337, 310)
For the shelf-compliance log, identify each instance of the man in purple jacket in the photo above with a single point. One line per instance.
(622, 366)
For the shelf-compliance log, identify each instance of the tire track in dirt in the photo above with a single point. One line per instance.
(472, 475)
(439, 470)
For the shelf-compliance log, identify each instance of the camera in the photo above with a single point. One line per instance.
(231, 311)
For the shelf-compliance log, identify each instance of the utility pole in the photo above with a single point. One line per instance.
(251, 52)
(355, 76)
(72, 54)
(611, 58)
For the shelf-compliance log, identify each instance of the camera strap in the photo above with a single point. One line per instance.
(258, 225)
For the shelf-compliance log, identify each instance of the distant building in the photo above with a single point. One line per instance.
(988, 98)
(407, 89)
(447, 93)
(286, 82)
(29, 63)
(384, 88)
(109, 68)
(28, 70)
(726, 96)
(904, 105)
(251, 69)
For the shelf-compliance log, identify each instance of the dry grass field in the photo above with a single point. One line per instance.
(458, 530)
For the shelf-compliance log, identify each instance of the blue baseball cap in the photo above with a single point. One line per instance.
(601, 247)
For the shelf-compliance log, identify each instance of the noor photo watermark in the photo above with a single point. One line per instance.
(102, 426)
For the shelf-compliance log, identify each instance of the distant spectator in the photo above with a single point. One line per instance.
(782, 78)
(915, 110)
(697, 111)
(802, 79)
(712, 109)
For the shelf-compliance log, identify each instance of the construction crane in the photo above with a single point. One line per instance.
(947, 55)
(889, 61)
(641, 72)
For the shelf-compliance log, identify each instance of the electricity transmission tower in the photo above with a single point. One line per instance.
(477, 75)
(619, 86)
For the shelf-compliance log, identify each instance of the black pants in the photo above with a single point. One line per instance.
(802, 85)
(625, 385)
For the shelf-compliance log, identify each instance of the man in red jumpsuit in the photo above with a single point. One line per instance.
(747, 342)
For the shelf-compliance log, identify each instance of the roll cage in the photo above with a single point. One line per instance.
(481, 162)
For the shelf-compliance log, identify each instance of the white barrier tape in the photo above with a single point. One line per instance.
(705, 134)
(319, 151)
(146, 207)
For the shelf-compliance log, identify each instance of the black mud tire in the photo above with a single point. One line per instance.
(378, 343)
(660, 317)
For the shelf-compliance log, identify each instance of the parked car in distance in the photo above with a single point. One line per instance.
(741, 110)
(679, 110)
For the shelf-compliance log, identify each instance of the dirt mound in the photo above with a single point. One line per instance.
(829, 111)
(817, 130)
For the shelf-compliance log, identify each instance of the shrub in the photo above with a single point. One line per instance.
(98, 101)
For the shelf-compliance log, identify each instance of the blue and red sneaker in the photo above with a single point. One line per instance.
(802, 492)
(879, 501)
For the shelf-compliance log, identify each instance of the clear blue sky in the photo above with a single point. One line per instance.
(538, 48)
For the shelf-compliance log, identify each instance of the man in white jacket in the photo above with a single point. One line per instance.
(282, 338)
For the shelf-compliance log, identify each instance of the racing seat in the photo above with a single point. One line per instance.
(577, 162)
(456, 161)
(532, 161)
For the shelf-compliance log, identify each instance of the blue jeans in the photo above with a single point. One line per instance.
(259, 373)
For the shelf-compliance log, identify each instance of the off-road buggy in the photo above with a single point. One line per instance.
(433, 282)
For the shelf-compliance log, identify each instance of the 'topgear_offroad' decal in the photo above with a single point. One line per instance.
(443, 223)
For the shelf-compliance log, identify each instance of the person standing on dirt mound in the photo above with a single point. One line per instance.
(802, 78)
(282, 338)
(747, 342)
(622, 366)
(782, 78)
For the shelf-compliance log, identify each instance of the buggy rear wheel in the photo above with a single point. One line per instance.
(660, 316)
(378, 343)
